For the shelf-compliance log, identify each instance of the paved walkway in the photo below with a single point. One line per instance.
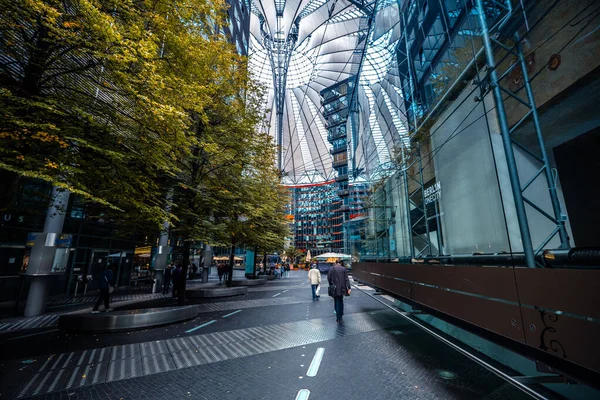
(272, 343)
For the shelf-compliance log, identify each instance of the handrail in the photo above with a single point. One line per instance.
(464, 352)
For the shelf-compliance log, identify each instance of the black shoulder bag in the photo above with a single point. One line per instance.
(331, 290)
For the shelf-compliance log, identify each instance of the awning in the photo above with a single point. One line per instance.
(333, 255)
(226, 258)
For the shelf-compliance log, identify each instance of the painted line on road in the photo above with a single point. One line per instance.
(316, 362)
(33, 334)
(275, 295)
(230, 314)
(285, 290)
(303, 394)
(201, 326)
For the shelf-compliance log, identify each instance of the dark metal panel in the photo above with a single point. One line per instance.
(495, 282)
(572, 339)
(571, 290)
(498, 317)
(393, 286)
(501, 318)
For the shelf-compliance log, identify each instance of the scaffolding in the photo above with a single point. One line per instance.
(498, 37)
(495, 83)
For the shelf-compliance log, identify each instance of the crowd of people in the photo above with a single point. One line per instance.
(337, 278)
(279, 270)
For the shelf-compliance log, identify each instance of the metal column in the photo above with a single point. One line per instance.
(508, 141)
(410, 204)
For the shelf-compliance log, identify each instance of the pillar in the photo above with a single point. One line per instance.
(42, 253)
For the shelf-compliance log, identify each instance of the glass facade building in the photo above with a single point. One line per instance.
(397, 97)
(318, 217)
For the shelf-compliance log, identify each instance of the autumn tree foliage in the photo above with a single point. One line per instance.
(144, 108)
(98, 96)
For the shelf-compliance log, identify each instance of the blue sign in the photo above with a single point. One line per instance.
(249, 262)
(64, 241)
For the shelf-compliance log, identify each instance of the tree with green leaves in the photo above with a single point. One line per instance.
(228, 187)
(97, 96)
(292, 253)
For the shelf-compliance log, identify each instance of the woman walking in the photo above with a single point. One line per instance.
(314, 276)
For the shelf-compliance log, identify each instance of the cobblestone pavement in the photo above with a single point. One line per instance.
(261, 348)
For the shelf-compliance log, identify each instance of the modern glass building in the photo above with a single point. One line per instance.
(468, 127)
(450, 146)
(318, 217)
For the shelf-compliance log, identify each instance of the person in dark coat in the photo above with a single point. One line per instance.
(221, 272)
(105, 281)
(338, 276)
(167, 282)
(176, 278)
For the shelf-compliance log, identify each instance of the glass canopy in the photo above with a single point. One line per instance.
(297, 49)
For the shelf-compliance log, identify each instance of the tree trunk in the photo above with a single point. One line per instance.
(184, 271)
(231, 256)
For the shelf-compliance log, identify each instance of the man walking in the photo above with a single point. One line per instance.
(339, 286)
(314, 276)
(177, 272)
(105, 283)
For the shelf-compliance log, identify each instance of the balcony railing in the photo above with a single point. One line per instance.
(336, 135)
(341, 178)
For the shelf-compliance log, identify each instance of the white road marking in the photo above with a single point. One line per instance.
(275, 295)
(230, 314)
(316, 362)
(303, 394)
(201, 326)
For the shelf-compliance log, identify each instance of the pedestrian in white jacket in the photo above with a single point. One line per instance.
(314, 276)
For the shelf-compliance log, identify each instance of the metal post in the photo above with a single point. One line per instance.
(438, 226)
(42, 254)
(411, 77)
(207, 262)
(119, 269)
(410, 230)
(506, 141)
(423, 199)
(562, 232)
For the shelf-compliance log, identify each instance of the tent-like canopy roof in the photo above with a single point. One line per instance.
(298, 48)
